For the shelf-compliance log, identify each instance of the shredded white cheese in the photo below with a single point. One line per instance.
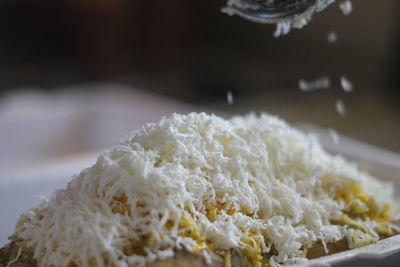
(332, 37)
(347, 85)
(320, 83)
(346, 7)
(229, 97)
(265, 177)
(340, 108)
(207, 257)
(282, 28)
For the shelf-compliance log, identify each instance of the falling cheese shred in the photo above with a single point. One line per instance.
(198, 182)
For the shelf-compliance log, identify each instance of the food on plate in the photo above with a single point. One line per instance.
(199, 189)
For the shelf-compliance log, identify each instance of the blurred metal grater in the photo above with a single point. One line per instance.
(274, 11)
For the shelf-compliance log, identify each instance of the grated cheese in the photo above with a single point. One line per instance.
(198, 181)
(282, 28)
(320, 83)
(207, 257)
(340, 108)
(347, 85)
(346, 7)
(229, 97)
(332, 37)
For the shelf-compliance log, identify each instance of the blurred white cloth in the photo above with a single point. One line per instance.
(37, 127)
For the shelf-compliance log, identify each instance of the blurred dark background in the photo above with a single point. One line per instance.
(190, 51)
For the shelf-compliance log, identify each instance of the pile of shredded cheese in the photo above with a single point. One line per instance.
(198, 181)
